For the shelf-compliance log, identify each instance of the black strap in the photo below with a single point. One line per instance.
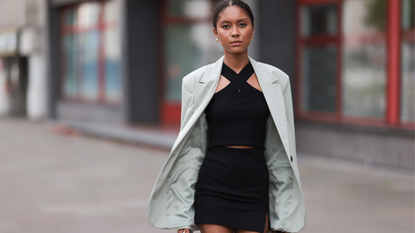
(237, 79)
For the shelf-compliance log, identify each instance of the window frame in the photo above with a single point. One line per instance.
(392, 93)
(171, 110)
(101, 26)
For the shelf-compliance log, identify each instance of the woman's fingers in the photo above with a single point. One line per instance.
(183, 230)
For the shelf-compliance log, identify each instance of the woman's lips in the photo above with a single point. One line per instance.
(236, 43)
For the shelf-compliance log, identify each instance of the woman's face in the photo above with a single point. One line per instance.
(234, 30)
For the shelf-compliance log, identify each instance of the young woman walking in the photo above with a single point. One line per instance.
(233, 167)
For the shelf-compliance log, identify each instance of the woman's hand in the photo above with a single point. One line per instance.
(184, 230)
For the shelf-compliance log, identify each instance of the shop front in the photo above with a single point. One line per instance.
(13, 75)
(350, 62)
(355, 79)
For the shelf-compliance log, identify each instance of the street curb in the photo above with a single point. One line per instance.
(137, 136)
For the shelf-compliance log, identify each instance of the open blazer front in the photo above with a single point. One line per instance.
(171, 200)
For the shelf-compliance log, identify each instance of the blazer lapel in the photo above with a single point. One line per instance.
(203, 93)
(275, 99)
(206, 86)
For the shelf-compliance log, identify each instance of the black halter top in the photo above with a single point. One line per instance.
(237, 114)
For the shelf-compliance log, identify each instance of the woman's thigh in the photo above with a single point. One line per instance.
(265, 228)
(212, 228)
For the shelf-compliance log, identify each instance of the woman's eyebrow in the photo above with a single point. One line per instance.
(239, 20)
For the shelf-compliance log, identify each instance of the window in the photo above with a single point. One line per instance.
(319, 53)
(189, 43)
(348, 66)
(90, 41)
(407, 61)
(364, 58)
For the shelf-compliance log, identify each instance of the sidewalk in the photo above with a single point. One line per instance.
(52, 183)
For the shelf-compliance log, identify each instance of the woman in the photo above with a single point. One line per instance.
(233, 167)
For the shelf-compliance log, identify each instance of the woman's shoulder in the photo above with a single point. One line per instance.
(270, 68)
(281, 76)
(191, 78)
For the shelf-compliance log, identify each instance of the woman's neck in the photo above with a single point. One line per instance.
(236, 61)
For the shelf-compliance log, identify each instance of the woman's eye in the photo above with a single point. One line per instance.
(225, 26)
(242, 25)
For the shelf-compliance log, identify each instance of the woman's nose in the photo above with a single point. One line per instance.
(235, 32)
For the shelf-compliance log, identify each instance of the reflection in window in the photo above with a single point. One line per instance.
(408, 82)
(70, 82)
(364, 58)
(188, 47)
(319, 60)
(190, 8)
(319, 72)
(408, 62)
(112, 50)
(91, 52)
(319, 20)
(88, 58)
(408, 17)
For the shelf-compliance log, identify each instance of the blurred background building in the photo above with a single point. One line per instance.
(120, 62)
(23, 81)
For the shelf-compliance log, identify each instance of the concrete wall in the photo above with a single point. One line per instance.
(371, 146)
(83, 112)
(13, 13)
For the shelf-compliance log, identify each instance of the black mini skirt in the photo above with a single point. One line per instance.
(232, 189)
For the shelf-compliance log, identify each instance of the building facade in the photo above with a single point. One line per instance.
(355, 80)
(23, 81)
(351, 64)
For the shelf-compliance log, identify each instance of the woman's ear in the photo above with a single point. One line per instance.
(215, 32)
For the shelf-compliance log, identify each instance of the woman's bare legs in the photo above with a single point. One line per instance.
(265, 228)
(212, 228)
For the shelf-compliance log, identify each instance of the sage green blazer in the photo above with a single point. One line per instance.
(171, 201)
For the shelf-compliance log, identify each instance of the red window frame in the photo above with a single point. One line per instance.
(101, 26)
(392, 92)
(171, 111)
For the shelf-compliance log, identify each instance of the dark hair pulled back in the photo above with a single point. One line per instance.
(222, 5)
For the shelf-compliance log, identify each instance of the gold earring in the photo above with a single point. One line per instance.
(217, 39)
(252, 37)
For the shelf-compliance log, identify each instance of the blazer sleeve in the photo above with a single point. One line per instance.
(287, 211)
(289, 114)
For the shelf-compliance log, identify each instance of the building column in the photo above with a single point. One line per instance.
(393, 62)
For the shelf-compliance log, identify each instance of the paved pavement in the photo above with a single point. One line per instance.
(54, 183)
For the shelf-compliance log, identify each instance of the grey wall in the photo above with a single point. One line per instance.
(368, 145)
(64, 2)
(277, 34)
(89, 113)
(142, 28)
(52, 58)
